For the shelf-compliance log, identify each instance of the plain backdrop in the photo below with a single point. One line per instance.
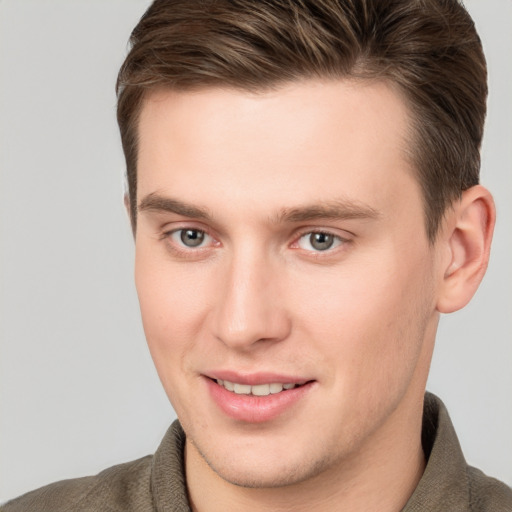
(78, 388)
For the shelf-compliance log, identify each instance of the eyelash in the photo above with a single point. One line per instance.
(338, 240)
(182, 250)
(191, 252)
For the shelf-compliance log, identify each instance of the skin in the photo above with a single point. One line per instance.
(258, 173)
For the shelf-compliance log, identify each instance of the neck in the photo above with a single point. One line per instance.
(382, 475)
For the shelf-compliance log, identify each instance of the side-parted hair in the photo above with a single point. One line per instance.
(428, 50)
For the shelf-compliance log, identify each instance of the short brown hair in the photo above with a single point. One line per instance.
(429, 49)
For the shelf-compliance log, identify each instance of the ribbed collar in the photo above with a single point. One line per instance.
(444, 485)
(168, 472)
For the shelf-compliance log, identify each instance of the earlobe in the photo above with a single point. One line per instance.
(469, 241)
(126, 200)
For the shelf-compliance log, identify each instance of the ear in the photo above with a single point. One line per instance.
(468, 237)
(126, 200)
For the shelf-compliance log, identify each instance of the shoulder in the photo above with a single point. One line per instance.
(448, 483)
(143, 485)
(488, 494)
(124, 487)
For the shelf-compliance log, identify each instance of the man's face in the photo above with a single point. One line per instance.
(281, 241)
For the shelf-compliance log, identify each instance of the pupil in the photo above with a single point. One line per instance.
(192, 237)
(321, 241)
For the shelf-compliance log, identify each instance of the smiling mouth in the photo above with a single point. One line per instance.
(256, 390)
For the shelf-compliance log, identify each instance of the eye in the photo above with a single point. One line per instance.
(190, 238)
(319, 241)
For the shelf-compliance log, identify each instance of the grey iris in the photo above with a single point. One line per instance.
(321, 241)
(192, 237)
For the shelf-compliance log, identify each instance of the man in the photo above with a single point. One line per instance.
(303, 191)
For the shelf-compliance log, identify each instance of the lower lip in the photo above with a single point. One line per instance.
(256, 409)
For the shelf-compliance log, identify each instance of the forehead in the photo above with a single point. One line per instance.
(301, 142)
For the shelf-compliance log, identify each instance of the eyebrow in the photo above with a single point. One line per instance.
(342, 209)
(156, 203)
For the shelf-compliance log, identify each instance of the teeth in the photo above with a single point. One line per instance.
(261, 390)
(258, 390)
(242, 389)
(276, 388)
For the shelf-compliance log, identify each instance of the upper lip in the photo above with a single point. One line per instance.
(254, 379)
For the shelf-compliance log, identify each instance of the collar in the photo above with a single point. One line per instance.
(445, 483)
(443, 486)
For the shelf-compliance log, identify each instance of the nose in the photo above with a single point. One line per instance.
(251, 308)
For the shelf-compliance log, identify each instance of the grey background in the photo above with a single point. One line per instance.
(78, 389)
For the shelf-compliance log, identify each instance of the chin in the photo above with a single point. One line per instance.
(257, 472)
(261, 478)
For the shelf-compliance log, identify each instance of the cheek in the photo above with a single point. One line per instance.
(173, 303)
(367, 318)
